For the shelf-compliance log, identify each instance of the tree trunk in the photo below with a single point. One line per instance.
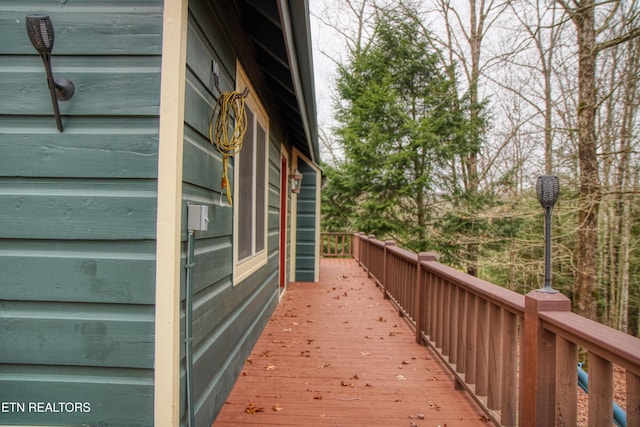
(626, 182)
(586, 292)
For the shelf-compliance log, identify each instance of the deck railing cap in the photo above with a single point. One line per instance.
(427, 256)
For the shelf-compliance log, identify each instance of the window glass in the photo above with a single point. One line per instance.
(245, 197)
(250, 201)
(261, 188)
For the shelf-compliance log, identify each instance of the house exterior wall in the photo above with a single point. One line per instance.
(93, 220)
(77, 215)
(307, 222)
(228, 317)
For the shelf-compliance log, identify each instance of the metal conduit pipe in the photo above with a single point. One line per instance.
(188, 316)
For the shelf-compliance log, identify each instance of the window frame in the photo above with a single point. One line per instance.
(245, 267)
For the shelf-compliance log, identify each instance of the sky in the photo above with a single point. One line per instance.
(323, 39)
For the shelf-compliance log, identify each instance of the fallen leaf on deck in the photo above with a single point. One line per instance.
(345, 384)
(266, 354)
(277, 407)
(270, 368)
(355, 377)
(252, 408)
(401, 377)
(317, 397)
(381, 319)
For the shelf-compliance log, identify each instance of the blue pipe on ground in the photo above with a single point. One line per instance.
(619, 416)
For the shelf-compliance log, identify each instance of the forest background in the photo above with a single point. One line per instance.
(444, 114)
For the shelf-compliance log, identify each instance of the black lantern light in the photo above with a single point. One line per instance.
(295, 179)
(41, 35)
(548, 189)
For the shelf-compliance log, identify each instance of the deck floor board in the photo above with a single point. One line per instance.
(335, 353)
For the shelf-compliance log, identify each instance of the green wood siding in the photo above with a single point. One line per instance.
(78, 212)
(306, 225)
(227, 319)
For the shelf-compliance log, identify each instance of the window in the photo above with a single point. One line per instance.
(250, 192)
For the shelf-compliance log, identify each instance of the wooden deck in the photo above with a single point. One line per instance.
(335, 353)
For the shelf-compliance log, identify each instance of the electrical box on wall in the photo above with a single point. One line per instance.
(198, 218)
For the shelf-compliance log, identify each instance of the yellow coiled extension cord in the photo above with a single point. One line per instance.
(230, 104)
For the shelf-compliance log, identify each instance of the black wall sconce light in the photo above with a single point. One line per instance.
(295, 179)
(40, 32)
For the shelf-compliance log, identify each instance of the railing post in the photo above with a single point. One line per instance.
(370, 237)
(356, 247)
(386, 268)
(538, 396)
(418, 310)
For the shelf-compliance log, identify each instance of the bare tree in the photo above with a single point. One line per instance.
(617, 119)
(582, 14)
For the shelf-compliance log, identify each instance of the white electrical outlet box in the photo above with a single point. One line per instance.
(198, 218)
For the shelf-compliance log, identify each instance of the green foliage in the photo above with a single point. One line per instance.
(408, 141)
(400, 124)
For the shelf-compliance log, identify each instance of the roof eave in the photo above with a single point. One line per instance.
(294, 15)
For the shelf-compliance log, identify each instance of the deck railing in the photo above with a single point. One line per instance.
(516, 354)
(337, 245)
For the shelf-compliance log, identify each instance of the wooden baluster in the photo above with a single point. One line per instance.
(494, 377)
(470, 342)
(454, 330)
(446, 309)
(482, 346)
(509, 407)
(437, 312)
(600, 390)
(633, 400)
(462, 331)
(567, 382)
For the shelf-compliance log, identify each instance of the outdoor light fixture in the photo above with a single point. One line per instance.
(40, 31)
(548, 189)
(295, 179)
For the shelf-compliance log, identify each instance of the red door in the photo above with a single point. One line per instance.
(283, 221)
